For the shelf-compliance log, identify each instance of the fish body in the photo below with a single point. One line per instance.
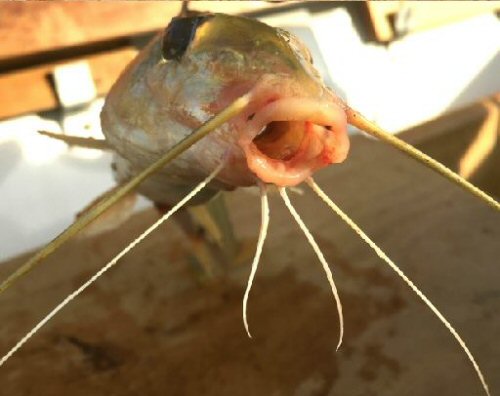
(293, 126)
(289, 126)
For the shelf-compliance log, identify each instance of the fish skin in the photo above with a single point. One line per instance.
(157, 102)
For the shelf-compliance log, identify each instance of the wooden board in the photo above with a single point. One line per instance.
(465, 140)
(37, 36)
(32, 89)
(149, 328)
(31, 27)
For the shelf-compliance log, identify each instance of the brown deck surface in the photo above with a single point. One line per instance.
(148, 328)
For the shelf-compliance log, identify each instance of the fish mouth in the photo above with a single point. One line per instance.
(288, 139)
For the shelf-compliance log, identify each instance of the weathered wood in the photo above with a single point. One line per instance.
(32, 89)
(31, 27)
(36, 36)
(148, 327)
(466, 141)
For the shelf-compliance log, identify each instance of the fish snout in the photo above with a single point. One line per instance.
(287, 138)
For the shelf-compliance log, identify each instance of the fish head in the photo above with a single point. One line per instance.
(293, 126)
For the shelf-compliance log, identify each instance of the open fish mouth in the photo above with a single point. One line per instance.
(287, 139)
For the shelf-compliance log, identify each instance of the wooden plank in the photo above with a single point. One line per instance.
(31, 27)
(472, 114)
(379, 13)
(148, 328)
(84, 25)
(238, 7)
(466, 141)
(31, 90)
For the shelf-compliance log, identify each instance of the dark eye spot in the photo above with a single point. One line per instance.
(178, 34)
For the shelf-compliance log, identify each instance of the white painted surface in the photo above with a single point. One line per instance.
(417, 77)
(43, 184)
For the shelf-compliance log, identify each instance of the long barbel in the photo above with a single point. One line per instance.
(359, 121)
(225, 115)
(229, 112)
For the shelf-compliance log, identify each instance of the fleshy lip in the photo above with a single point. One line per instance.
(288, 139)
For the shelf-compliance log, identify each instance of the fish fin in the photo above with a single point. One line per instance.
(380, 253)
(226, 114)
(87, 142)
(359, 121)
(214, 218)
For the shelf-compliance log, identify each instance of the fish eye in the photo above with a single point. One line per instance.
(178, 34)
